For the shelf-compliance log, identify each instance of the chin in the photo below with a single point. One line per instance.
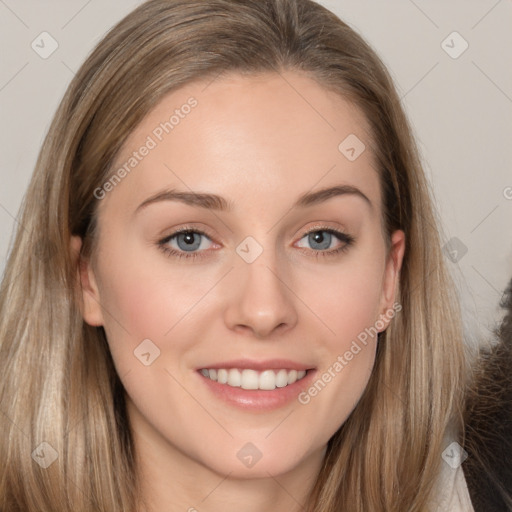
(249, 462)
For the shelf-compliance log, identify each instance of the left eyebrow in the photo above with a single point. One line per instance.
(219, 203)
(319, 196)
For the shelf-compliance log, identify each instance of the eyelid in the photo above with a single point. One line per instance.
(324, 227)
(186, 229)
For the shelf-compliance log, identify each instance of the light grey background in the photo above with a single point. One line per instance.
(460, 109)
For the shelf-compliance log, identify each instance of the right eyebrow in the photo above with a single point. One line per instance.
(203, 200)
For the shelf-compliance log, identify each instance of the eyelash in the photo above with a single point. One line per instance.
(342, 237)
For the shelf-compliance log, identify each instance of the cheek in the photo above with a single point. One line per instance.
(139, 302)
(347, 298)
(148, 298)
(347, 302)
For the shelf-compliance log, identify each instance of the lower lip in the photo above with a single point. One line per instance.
(258, 399)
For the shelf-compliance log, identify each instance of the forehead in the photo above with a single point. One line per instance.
(275, 133)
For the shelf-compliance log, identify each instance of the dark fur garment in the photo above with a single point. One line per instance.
(488, 419)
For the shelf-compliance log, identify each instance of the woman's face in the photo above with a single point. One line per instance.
(283, 271)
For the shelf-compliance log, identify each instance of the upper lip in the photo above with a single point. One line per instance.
(251, 364)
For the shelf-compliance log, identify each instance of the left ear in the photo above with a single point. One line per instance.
(391, 276)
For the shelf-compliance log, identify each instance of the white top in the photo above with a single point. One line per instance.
(452, 494)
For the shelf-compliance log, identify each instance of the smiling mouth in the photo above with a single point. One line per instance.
(252, 379)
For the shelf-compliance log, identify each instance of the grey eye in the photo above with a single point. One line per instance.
(320, 240)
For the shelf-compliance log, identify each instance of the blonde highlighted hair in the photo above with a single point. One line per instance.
(59, 384)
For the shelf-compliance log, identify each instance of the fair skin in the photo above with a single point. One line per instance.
(259, 144)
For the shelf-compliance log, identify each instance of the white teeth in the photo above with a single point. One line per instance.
(251, 379)
(222, 376)
(292, 376)
(234, 378)
(267, 380)
(282, 379)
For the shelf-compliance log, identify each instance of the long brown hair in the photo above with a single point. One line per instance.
(59, 385)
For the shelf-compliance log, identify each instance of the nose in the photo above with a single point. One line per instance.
(260, 299)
